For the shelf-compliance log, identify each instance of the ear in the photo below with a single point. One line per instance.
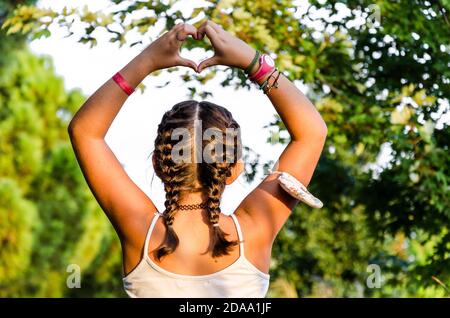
(236, 171)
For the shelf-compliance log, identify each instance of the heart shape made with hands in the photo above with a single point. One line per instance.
(183, 31)
(229, 50)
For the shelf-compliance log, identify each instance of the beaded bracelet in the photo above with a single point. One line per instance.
(266, 87)
(266, 82)
(274, 84)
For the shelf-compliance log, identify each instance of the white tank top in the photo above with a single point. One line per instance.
(241, 279)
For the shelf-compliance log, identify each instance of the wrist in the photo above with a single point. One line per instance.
(266, 65)
(254, 68)
(261, 80)
(249, 55)
(147, 61)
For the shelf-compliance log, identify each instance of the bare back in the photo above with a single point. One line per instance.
(192, 257)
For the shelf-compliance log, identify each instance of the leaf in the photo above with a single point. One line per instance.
(414, 177)
(422, 99)
(359, 149)
(41, 33)
(401, 115)
(426, 130)
(14, 28)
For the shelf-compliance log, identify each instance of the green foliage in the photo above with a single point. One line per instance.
(378, 71)
(18, 217)
(48, 216)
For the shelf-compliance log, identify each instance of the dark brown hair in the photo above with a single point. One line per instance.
(205, 176)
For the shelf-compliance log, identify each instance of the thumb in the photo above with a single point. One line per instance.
(188, 63)
(207, 63)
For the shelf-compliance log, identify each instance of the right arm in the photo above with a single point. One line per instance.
(268, 205)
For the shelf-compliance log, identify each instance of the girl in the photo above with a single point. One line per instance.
(191, 249)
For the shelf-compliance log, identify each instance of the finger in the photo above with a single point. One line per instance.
(188, 63)
(184, 30)
(210, 33)
(176, 28)
(207, 63)
(217, 27)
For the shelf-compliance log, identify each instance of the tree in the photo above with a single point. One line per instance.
(379, 74)
(48, 219)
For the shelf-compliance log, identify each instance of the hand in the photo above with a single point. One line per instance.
(228, 49)
(165, 51)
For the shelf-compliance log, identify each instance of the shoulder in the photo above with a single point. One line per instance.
(266, 209)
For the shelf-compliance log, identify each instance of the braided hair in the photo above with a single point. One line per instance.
(207, 176)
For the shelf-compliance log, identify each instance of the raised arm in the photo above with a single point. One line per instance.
(126, 205)
(269, 202)
(268, 205)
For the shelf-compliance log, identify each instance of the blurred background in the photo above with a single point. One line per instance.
(378, 72)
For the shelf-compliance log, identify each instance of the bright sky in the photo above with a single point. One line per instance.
(132, 133)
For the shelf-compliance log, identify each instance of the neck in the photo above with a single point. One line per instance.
(192, 198)
(190, 215)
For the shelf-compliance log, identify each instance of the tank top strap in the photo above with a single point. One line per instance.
(149, 232)
(239, 232)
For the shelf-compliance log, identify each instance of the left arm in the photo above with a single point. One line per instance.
(124, 203)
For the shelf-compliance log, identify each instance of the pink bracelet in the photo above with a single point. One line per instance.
(127, 88)
(266, 65)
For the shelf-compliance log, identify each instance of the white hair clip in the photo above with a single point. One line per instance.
(296, 189)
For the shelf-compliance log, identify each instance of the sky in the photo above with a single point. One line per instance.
(133, 131)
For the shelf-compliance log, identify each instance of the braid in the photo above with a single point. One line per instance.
(168, 171)
(218, 244)
(171, 240)
(185, 177)
(214, 174)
